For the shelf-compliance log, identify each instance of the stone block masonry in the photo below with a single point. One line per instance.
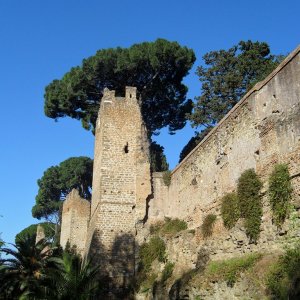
(121, 182)
(75, 219)
(106, 229)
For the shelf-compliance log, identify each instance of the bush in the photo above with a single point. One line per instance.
(168, 227)
(167, 178)
(172, 226)
(230, 269)
(249, 200)
(155, 249)
(283, 281)
(167, 271)
(208, 224)
(230, 210)
(280, 191)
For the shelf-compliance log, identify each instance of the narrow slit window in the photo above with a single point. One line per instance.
(126, 149)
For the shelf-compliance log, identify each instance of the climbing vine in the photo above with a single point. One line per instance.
(230, 210)
(249, 200)
(208, 225)
(280, 191)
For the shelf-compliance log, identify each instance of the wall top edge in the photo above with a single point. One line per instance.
(258, 86)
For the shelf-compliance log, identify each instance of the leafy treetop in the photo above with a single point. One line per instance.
(58, 181)
(31, 231)
(228, 75)
(155, 68)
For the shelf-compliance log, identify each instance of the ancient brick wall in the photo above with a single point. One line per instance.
(261, 130)
(121, 182)
(75, 219)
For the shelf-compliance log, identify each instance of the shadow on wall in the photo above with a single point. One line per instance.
(117, 266)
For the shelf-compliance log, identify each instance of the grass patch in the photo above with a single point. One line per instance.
(230, 210)
(280, 192)
(229, 270)
(167, 271)
(172, 226)
(208, 225)
(283, 280)
(155, 249)
(148, 282)
(168, 227)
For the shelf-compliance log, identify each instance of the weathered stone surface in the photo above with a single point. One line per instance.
(261, 130)
(121, 186)
(75, 219)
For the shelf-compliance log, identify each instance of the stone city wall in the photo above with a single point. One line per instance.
(261, 130)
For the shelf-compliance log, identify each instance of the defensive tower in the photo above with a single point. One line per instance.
(121, 183)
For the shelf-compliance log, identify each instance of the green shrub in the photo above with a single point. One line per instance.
(155, 228)
(167, 178)
(168, 227)
(167, 271)
(208, 225)
(172, 226)
(155, 249)
(283, 281)
(280, 191)
(249, 199)
(230, 210)
(230, 269)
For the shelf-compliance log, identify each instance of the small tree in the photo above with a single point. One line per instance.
(58, 181)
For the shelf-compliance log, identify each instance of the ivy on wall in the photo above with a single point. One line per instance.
(230, 210)
(250, 204)
(280, 192)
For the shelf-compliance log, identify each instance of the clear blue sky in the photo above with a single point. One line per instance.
(41, 40)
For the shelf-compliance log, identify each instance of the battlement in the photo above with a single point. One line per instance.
(109, 96)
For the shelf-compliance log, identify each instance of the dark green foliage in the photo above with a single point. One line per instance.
(155, 249)
(49, 230)
(280, 191)
(58, 181)
(193, 142)
(155, 68)
(75, 279)
(208, 225)
(230, 269)
(283, 281)
(249, 198)
(158, 158)
(39, 271)
(230, 210)
(228, 75)
(23, 273)
(167, 271)
(167, 176)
